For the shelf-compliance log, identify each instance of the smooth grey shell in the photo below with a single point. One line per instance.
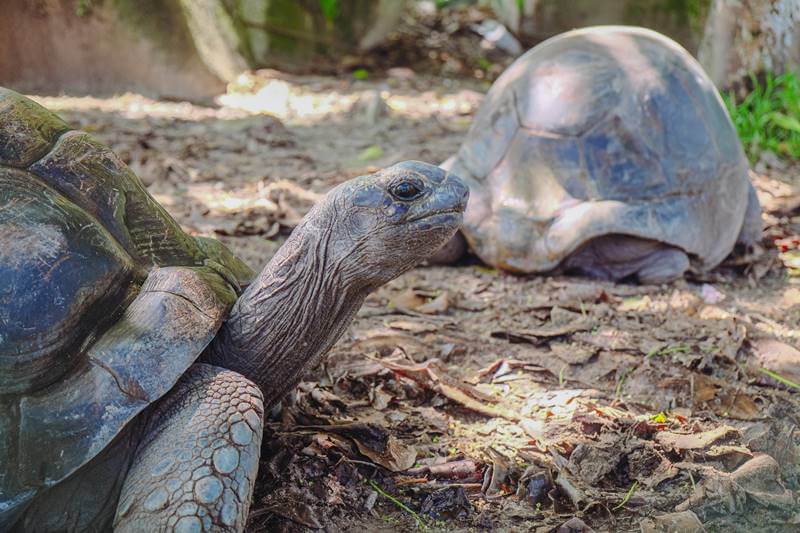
(598, 131)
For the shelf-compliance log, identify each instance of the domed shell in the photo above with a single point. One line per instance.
(104, 300)
(605, 130)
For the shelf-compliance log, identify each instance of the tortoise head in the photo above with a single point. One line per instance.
(382, 224)
(364, 233)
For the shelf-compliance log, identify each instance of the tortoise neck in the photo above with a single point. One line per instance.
(291, 315)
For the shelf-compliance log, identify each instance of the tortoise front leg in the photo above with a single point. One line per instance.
(196, 465)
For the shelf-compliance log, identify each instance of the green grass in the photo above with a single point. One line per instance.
(627, 496)
(417, 518)
(768, 118)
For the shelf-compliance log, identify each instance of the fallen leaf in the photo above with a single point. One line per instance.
(374, 442)
(412, 326)
(758, 480)
(379, 398)
(447, 503)
(777, 357)
(438, 305)
(685, 522)
(541, 334)
(572, 353)
(731, 456)
(791, 297)
(296, 511)
(386, 341)
(396, 456)
(635, 303)
(431, 377)
(609, 338)
(494, 481)
(696, 441)
(760, 477)
(407, 299)
(502, 367)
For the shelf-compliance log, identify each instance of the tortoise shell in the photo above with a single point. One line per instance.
(104, 300)
(600, 131)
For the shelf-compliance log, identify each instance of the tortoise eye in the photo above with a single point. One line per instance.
(406, 190)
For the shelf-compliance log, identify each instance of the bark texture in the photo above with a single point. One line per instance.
(750, 36)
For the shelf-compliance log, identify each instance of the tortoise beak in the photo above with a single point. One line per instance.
(453, 195)
(450, 193)
(449, 197)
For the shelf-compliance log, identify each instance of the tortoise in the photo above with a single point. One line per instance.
(606, 151)
(136, 361)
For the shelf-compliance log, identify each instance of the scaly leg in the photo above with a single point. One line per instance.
(617, 257)
(197, 462)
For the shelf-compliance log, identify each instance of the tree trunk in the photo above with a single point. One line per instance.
(57, 46)
(750, 36)
(535, 20)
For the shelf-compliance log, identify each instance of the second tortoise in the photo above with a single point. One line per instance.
(606, 151)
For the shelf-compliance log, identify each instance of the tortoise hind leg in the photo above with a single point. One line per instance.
(196, 465)
(616, 257)
(750, 233)
(662, 266)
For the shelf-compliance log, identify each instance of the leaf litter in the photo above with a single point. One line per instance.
(477, 399)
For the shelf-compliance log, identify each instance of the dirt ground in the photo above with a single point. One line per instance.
(463, 398)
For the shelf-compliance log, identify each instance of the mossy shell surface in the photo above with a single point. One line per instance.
(104, 300)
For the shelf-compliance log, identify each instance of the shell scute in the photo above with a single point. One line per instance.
(620, 133)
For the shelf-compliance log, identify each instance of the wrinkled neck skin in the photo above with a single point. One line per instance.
(292, 313)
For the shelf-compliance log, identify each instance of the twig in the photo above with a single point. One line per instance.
(420, 523)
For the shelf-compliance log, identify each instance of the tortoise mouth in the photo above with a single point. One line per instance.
(456, 210)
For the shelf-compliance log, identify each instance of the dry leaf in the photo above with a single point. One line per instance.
(412, 326)
(572, 353)
(375, 442)
(777, 357)
(696, 441)
(540, 335)
(408, 299)
(438, 305)
(609, 338)
(433, 378)
(685, 522)
(379, 398)
(396, 456)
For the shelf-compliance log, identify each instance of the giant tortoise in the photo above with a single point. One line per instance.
(136, 360)
(605, 150)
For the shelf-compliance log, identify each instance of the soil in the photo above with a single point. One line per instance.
(463, 398)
